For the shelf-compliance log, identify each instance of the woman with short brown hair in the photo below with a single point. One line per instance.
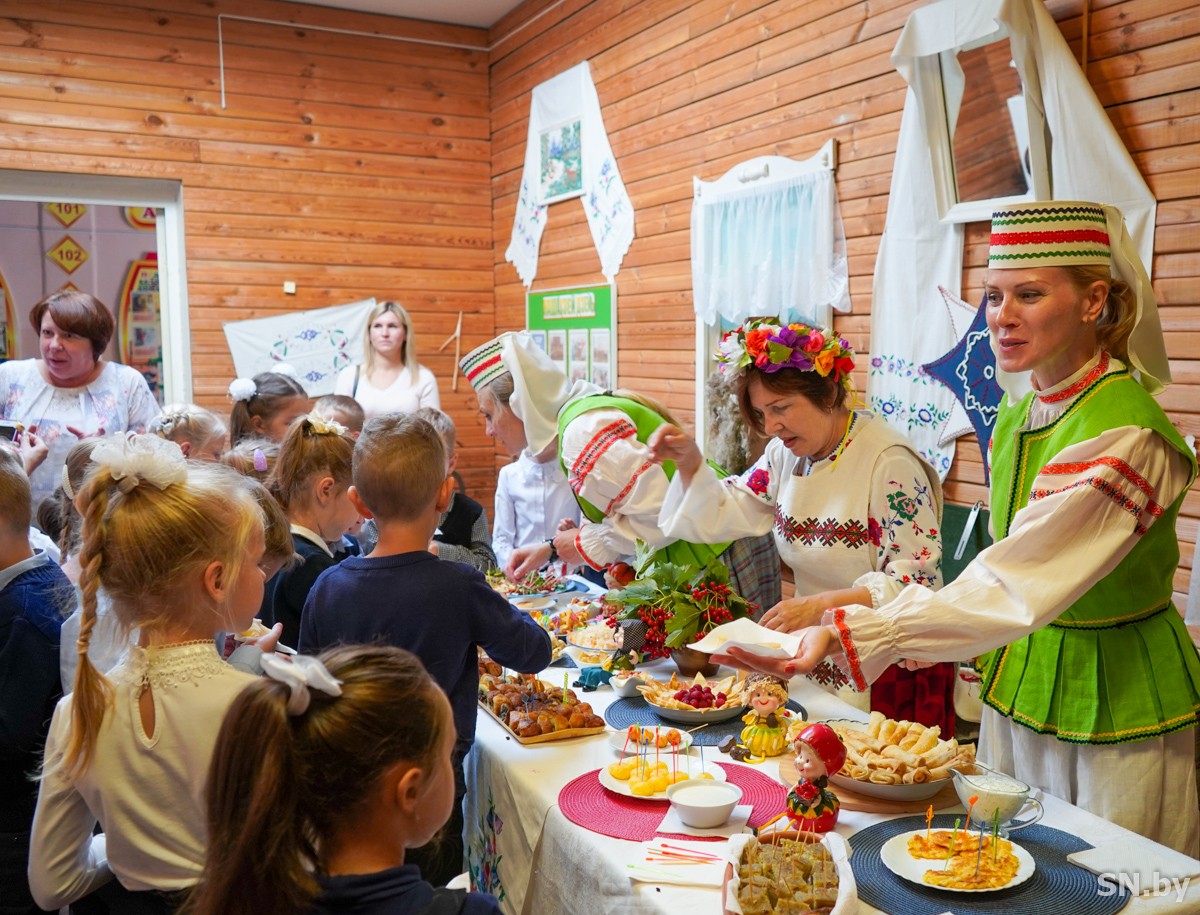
(72, 393)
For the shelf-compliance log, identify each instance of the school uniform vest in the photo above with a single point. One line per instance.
(1118, 664)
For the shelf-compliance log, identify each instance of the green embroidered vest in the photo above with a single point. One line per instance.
(1117, 665)
(645, 421)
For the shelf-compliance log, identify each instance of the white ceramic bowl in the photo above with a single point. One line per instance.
(627, 687)
(698, 715)
(704, 804)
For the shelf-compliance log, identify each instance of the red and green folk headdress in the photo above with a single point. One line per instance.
(772, 347)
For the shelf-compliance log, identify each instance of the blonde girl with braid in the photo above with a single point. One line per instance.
(198, 432)
(175, 546)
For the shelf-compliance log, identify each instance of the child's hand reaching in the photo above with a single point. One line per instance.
(268, 642)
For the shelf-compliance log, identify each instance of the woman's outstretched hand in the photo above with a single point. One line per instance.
(816, 644)
(795, 613)
(670, 443)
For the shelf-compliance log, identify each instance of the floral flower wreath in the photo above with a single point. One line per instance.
(770, 347)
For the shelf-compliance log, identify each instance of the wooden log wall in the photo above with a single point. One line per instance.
(360, 166)
(692, 87)
(354, 166)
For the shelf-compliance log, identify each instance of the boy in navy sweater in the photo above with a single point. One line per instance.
(402, 595)
(34, 597)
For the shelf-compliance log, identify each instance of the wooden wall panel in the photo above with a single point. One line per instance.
(352, 165)
(692, 88)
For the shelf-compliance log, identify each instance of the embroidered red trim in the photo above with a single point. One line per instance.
(1120, 467)
(1108, 489)
(628, 486)
(586, 558)
(839, 620)
(597, 445)
(1050, 237)
(1071, 390)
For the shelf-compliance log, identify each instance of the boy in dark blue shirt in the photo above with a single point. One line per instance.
(34, 597)
(402, 595)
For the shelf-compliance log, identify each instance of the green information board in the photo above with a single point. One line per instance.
(578, 329)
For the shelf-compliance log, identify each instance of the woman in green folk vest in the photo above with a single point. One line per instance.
(601, 442)
(1091, 684)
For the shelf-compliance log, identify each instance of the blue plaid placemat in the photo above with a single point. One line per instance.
(1057, 887)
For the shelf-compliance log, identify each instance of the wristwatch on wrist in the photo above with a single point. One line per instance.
(553, 550)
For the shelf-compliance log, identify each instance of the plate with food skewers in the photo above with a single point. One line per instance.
(957, 860)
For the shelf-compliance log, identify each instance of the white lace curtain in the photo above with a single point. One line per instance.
(771, 247)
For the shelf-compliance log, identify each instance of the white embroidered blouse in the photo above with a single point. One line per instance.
(866, 517)
(146, 790)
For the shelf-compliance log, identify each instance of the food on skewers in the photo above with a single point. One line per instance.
(961, 864)
(651, 737)
(786, 876)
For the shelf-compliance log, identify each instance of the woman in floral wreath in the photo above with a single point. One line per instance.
(855, 511)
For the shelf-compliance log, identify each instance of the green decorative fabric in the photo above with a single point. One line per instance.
(645, 421)
(1118, 664)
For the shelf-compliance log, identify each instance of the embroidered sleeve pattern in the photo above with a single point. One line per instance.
(906, 534)
(1112, 478)
(849, 650)
(596, 448)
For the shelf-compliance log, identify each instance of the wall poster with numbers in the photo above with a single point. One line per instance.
(578, 329)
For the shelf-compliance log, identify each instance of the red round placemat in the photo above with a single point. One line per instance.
(587, 803)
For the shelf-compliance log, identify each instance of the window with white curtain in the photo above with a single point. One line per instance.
(770, 245)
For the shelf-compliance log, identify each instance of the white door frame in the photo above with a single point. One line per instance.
(164, 195)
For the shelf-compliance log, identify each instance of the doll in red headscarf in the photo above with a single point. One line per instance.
(812, 807)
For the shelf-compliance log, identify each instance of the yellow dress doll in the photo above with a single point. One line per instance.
(765, 733)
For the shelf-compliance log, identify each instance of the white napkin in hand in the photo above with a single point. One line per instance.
(736, 823)
(1130, 862)
(749, 635)
(679, 874)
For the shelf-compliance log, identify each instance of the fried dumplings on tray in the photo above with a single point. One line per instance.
(888, 752)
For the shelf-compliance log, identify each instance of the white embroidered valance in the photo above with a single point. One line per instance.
(567, 107)
(773, 245)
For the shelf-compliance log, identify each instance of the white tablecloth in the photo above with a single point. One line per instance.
(540, 863)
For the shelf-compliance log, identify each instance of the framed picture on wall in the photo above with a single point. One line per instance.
(577, 327)
(560, 162)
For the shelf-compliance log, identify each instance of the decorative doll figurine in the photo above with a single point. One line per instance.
(630, 637)
(765, 733)
(812, 807)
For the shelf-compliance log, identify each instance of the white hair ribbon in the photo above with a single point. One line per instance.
(300, 674)
(131, 458)
(323, 426)
(66, 484)
(242, 389)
